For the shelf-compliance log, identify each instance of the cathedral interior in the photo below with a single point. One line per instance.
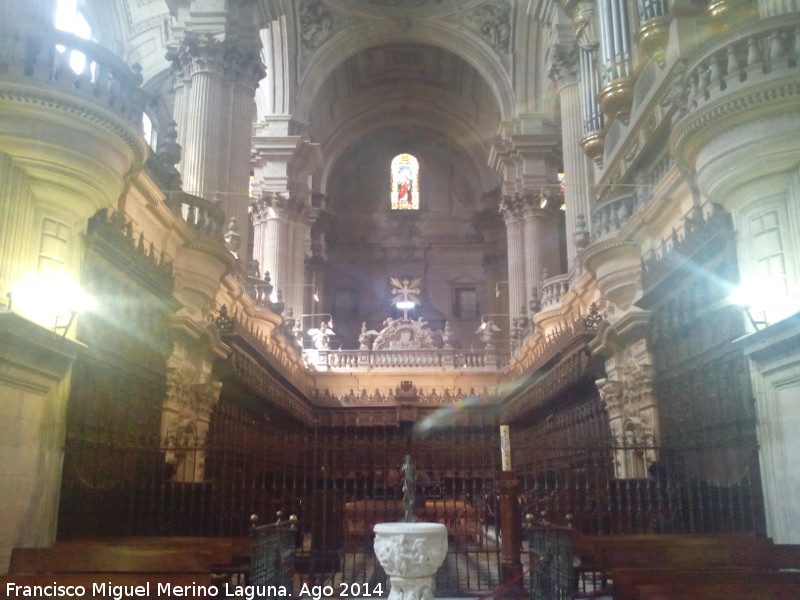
(253, 253)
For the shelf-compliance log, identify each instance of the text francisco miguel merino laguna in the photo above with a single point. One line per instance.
(146, 590)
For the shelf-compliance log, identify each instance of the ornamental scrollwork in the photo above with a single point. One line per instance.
(493, 22)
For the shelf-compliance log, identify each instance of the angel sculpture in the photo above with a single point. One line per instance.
(487, 331)
(366, 336)
(322, 336)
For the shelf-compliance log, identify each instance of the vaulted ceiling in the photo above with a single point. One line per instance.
(412, 94)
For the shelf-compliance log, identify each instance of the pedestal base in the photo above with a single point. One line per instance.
(410, 553)
(408, 588)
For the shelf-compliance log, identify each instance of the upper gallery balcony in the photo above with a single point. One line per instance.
(72, 116)
(70, 72)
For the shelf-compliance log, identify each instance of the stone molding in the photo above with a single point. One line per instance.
(279, 206)
(203, 52)
(54, 103)
(701, 126)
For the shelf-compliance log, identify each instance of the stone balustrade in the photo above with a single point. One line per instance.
(756, 53)
(612, 213)
(553, 289)
(206, 218)
(42, 57)
(437, 359)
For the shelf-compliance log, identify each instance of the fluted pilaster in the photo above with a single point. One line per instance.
(517, 296)
(215, 82)
(200, 139)
(280, 226)
(576, 170)
(540, 233)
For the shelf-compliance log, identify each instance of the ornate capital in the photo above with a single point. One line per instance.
(511, 208)
(232, 59)
(611, 396)
(562, 64)
(278, 206)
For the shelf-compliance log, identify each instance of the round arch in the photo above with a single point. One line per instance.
(387, 115)
(464, 44)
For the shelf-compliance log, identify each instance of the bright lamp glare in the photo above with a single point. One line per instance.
(763, 294)
(405, 304)
(741, 296)
(48, 298)
(766, 298)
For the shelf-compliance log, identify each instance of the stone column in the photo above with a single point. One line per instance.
(215, 82)
(280, 226)
(511, 211)
(541, 244)
(563, 71)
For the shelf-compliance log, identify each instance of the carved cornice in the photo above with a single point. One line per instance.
(119, 123)
(607, 245)
(392, 397)
(702, 125)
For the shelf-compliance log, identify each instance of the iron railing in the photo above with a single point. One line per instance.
(341, 482)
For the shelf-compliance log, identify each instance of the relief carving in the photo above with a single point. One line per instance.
(562, 67)
(493, 22)
(316, 24)
(628, 397)
(185, 420)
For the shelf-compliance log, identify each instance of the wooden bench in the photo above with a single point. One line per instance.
(627, 583)
(631, 562)
(230, 556)
(745, 589)
(677, 551)
(97, 567)
(224, 550)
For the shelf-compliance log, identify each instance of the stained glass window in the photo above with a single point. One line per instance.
(405, 182)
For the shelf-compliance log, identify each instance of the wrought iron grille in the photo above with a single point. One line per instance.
(552, 550)
(272, 554)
